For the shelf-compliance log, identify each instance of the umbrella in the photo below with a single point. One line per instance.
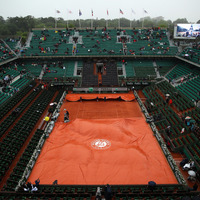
(192, 121)
(188, 117)
(167, 95)
(192, 173)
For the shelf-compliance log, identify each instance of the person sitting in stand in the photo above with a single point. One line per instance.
(183, 162)
(98, 194)
(188, 165)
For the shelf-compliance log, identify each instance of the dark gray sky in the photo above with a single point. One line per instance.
(169, 9)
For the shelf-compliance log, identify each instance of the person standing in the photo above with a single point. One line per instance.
(108, 192)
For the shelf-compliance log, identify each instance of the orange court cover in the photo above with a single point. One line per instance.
(124, 96)
(102, 151)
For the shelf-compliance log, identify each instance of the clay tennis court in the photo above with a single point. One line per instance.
(104, 142)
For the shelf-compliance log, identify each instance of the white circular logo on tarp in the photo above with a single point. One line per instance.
(100, 144)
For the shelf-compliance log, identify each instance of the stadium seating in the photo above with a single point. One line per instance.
(12, 43)
(191, 89)
(129, 66)
(119, 192)
(147, 42)
(182, 71)
(9, 104)
(164, 66)
(14, 140)
(5, 52)
(61, 72)
(97, 42)
(48, 43)
(193, 54)
(10, 72)
(180, 101)
(180, 141)
(8, 91)
(144, 69)
(22, 163)
(14, 115)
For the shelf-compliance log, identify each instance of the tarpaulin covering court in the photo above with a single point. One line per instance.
(101, 151)
(100, 110)
(124, 96)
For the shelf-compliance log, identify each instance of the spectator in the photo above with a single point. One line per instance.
(188, 165)
(170, 102)
(37, 182)
(183, 162)
(108, 192)
(151, 185)
(98, 193)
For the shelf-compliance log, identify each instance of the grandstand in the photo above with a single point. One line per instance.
(117, 86)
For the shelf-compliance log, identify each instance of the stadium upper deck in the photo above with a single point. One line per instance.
(99, 42)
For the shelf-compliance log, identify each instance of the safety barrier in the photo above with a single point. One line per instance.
(38, 148)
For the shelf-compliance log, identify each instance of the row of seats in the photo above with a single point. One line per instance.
(145, 70)
(53, 69)
(62, 69)
(12, 42)
(187, 138)
(51, 42)
(139, 69)
(132, 192)
(192, 54)
(116, 189)
(180, 101)
(8, 105)
(164, 66)
(15, 139)
(9, 120)
(48, 43)
(178, 196)
(5, 52)
(191, 88)
(22, 163)
(168, 117)
(183, 70)
(10, 90)
(9, 71)
(21, 82)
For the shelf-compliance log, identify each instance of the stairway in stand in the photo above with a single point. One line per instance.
(89, 76)
(99, 79)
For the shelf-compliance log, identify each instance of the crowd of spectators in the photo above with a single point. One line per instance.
(99, 41)
(192, 53)
(5, 52)
(48, 42)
